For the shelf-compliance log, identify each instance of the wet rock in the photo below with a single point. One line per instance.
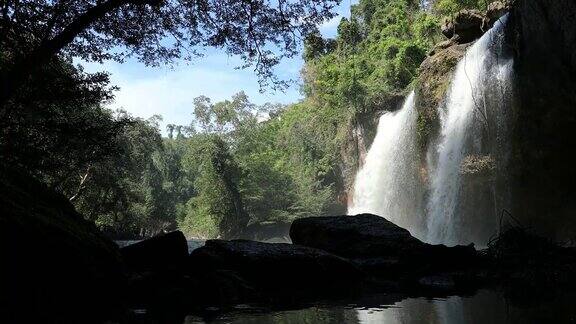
(267, 231)
(494, 11)
(160, 252)
(56, 266)
(441, 46)
(279, 269)
(379, 246)
(464, 27)
(434, 77)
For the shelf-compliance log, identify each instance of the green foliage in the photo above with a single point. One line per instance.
(450, 7)
(316, 46)
(152, 31)
(379, 51)
(217, 208)
(130, 193)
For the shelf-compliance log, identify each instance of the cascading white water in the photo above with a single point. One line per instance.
(387, 184)
(473, 122)
(470, 102)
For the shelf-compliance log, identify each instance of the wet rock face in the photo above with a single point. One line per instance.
(544, 138)
(468, 25)
(435, 74)
(494, 11)
(464, 27)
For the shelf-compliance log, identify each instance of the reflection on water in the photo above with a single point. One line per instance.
(485, 307)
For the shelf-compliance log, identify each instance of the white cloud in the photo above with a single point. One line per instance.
(330, 26)
(146, 91)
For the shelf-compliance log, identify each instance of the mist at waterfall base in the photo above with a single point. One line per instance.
(453, 192)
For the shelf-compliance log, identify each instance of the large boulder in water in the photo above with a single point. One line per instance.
(56, 266)
(279, 269)
(379, 246)
(160, 252)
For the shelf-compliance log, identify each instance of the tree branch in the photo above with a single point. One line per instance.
(21, 70)
(81, 185)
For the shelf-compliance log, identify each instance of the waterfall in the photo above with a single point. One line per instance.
(467, 163)
(388, 184)
(471, 122)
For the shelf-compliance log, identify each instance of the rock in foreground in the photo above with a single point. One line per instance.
(381, 247)
(160, 252)
(279, 268)
(56, 266)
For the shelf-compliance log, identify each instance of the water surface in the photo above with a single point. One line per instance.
(486, 306)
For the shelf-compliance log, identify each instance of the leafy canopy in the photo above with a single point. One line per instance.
(261, 32)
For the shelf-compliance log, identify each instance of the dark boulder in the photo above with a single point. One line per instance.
(56, 266)
(379, 246)
(268, 231)
(279, 269)
(353, 236)
(160, 252)
(464, 27)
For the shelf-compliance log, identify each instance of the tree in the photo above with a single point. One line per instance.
(450, 7)
(131, 193)
(316, 46)
(154, 31)
(64, 130)
(225, 116)
(218, 208)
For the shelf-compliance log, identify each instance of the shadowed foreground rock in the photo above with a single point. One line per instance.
(160, 252)
(56, 266)
(383, 248)
(279, 269)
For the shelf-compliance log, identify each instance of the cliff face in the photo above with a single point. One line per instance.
(544, 136)
(361, 133)
(542, 35)
(435, 75)
(540, 175)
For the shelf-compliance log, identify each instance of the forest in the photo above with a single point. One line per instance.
(233, 163)
(423, 172)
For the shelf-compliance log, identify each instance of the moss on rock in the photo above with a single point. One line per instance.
(433, 82)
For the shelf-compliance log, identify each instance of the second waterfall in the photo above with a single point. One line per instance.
(454, 194)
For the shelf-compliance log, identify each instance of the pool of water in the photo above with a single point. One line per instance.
(486, 306)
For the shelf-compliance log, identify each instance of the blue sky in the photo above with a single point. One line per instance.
(146, 91)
